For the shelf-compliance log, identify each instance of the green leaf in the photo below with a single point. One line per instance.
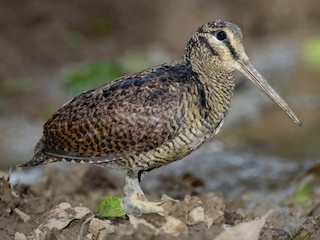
(305, 191)
(111, 207)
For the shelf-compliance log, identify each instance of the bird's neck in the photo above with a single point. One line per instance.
(216, 80)
(218, 86)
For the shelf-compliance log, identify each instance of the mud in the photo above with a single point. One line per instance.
(64, 203)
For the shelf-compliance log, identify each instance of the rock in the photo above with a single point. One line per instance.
(174, 227)
(24, 217)
(196, 215)
(60, 217)
(100, 228)
(19, 236)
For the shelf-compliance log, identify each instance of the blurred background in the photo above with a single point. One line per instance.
(50, 51)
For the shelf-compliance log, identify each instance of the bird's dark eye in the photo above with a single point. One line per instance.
(221, 35)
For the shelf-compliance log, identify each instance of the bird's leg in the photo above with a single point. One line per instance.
(135, 202)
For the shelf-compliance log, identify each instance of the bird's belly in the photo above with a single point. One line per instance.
(180, 146)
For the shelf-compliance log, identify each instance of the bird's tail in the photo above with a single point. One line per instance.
(39, 157)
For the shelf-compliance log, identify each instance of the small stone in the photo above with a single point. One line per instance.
(97, 226)
(187, 199)
(89, 236)
(64, 205)
(8, 210)
(196, 215)
(4, 176)
(19, 236)
(24, 217)
(174, 227)
(235, 217)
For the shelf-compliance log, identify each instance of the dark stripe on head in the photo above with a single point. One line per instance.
(205, 42)
(232, 51)
(192, 43)
(201, 29)
(217, 24)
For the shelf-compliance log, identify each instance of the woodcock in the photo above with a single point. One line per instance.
(154, 117)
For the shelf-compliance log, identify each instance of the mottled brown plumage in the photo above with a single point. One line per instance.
(148, 119)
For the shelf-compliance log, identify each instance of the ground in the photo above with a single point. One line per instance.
(63, 205)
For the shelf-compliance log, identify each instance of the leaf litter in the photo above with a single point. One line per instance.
(51, 210)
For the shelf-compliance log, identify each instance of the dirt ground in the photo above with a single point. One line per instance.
(64, 203)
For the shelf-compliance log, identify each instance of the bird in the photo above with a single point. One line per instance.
(154, 117)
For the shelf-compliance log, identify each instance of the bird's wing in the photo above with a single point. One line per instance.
(132, 115)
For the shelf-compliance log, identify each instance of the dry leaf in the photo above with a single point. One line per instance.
(244, 231)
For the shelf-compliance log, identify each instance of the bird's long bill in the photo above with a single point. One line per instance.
(253, 75)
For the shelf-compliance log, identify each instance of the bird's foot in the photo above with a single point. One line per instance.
(137, 204)
(135, 201)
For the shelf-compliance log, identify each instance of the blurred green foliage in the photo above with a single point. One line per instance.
(74, 40)
(16, 86)
(100, 28)
(92, 75)
(111, 207)
(3, 108)
(134, 61)
(312, 53)
(305, 192)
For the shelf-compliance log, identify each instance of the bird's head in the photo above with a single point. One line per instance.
(218, 46)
